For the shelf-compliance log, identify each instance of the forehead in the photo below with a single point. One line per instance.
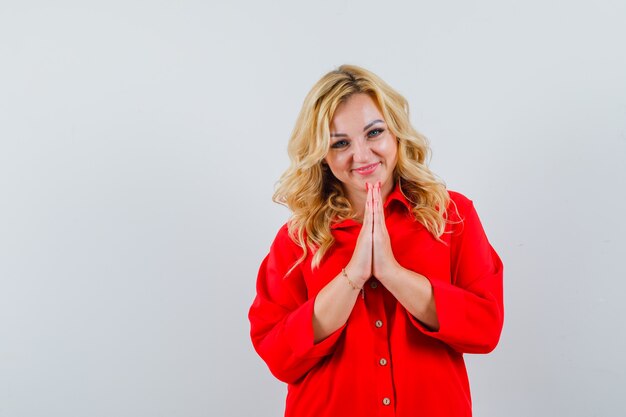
(357, 111)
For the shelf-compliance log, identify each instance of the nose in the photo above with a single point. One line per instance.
(362, 152)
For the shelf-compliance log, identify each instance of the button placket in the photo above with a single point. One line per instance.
(378, 322)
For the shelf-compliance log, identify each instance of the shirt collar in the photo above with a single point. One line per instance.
(395, 195)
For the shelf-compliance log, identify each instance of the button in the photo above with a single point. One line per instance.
(379, 323)
(386, 401)
(374, 284)
(382, 361)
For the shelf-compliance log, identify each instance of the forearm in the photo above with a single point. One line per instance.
(333, 306)
(415, 293)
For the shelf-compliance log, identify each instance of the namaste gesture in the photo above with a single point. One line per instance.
(373, 255)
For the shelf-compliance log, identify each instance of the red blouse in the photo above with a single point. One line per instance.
(383, 361)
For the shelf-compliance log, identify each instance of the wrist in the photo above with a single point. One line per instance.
(390, 272)
(358, 279)
(356, 287)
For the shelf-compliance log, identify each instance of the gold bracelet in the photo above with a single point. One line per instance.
(352, 284)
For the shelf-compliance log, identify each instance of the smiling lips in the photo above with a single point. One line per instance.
(367, 169)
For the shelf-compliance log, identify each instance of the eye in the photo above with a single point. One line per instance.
(340, 144)
(375, 132)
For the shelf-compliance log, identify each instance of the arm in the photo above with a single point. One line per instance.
(335, 301)
(415, 293)
(291, 332)
(465, 312)
(333, 306)
(281, 315)
(469, 308)
(411, 289)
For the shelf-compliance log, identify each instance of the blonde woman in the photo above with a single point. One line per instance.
(382, 278)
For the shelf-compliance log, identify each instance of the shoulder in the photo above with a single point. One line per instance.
(463, 218)
(284, 243)
(282, 238)
(459, 199)
(283, 232)
(459, 205)
(281, 258)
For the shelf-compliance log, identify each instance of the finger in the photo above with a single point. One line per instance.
(378, 213)
(375, 197)
(374, 200)
(369, 209)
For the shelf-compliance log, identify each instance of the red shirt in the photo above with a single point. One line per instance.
(383, 361)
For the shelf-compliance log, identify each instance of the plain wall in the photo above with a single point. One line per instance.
(140, 142)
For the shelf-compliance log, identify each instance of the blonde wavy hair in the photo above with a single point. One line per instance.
(313, 194)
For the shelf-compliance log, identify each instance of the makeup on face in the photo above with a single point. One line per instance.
(362, 149)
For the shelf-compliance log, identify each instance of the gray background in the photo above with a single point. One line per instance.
(140, 142)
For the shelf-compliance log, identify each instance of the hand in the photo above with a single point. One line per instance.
(373, 254)
(383, 261)
(359, 269)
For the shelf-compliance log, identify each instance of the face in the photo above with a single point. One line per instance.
(362, 149)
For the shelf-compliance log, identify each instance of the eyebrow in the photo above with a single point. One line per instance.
(367, 126)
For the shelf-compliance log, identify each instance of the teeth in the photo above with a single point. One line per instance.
(367, 168)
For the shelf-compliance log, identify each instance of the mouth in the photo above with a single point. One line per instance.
(367, 169)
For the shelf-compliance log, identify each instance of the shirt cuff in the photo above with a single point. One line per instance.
(299, 328)
(448, 299)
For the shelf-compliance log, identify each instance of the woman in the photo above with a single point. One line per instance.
(382, 278)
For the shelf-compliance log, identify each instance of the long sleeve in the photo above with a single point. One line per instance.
(470, 305)
(281, 316)
(383, 361)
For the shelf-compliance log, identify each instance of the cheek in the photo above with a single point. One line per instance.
(335, 164)
(388, 148)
